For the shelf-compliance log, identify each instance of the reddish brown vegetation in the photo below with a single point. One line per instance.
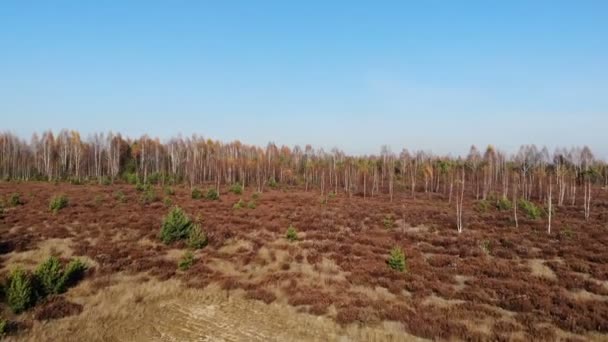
(452, 284)
(56, 307)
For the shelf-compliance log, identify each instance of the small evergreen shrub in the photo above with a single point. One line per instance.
(272, 183)
(236, 189)
(143, 187)
(48, 277)
(130, 177)
(486, 247)
(169, 191)
(58, 202)
(176, 226)
(154, 178)
(292, 233)
(396, 259)
(3, 326)
(331, 194)
(15, 200)
(388, 222)
(238, 205)
(256, 196)
(251, 205)
(148, 196)
(173, 179)
(72, 274)
(532, 211)
(53, 278)
(212, 195)
(19, 291)
(197, 193)
(186, 261)
(482, 206)
(504, 204)
(105, 180)
(197, 239)
(120, 197)
(167, 202)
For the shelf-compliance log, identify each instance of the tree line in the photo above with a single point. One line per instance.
(531, 173)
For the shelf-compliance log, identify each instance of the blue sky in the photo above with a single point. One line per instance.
(432, 75)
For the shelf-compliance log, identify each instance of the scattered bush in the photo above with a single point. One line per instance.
(167, 202)
(173, 179)
(140, 186)
(3, 325)
(272, 183)
(19, 291)
(256, 196)
(504, 204)
(120, 196)
(251, 205)
(212, 195)
(532, 211)
(148, 196)
(15, 200)
(48, 277)
(72, 274)
(52, 278)
(292, 233)
(486, 247)
(154, 178)
(396, 259)
(169, 191)
(388, 221)
(58, 202)
(198, 219)
(238, 205)
(236, 189)
(130, 177)
(105, 180)
(331, 194)
(197, 239)
(176, 226)
(186, 261)
(197, 193)
(483, 206)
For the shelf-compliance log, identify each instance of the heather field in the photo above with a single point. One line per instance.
(328, 278)
(228, 171)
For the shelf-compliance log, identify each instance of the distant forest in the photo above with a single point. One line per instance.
(531, 173)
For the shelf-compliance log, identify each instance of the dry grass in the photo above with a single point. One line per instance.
(136, 310)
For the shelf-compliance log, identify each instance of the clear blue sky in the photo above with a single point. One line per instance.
(433, 75)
